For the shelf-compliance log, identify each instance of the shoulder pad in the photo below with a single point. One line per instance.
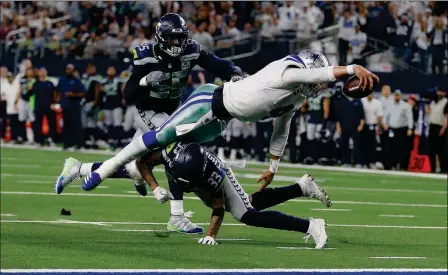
(294, 60)
(143, 54)
(194, 45)
(192, 51)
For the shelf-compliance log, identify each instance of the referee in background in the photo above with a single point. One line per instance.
(398, 123)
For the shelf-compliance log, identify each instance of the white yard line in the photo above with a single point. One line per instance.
(8, 215)
(137, 230)
(398, 257)
(218, 271)
(331, 209)
(283, 164)
(398, 216)
(303, 248)
(196, 198)
(102, 223)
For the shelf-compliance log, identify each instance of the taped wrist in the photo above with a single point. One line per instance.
(350, 69)
(273, 165)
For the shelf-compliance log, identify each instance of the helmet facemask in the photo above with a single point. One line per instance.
(173, 44)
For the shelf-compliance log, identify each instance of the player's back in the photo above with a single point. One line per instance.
(263, 94)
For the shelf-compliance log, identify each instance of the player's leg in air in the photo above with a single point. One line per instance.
(195, 109)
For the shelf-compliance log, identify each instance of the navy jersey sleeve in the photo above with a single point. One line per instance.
(143, 57)
(224, 69)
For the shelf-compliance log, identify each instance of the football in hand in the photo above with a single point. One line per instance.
(354, 90)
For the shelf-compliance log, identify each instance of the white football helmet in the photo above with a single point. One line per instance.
(312, 60)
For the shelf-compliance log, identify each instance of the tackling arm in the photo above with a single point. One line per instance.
(224, 69)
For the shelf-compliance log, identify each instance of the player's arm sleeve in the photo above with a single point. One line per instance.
(294, 75)
(132, 87)
(280, 134)
(222, 68)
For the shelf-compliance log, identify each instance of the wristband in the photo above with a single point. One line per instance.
(273, 165)
(350, 69)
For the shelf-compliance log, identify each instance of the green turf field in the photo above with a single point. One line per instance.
(372, 216)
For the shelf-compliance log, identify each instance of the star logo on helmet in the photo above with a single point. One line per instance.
(316, 58)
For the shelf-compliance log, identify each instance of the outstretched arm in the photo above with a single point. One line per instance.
(295, 75)
(222, 68)
(277, 146)
(145, 165)
(215, 222)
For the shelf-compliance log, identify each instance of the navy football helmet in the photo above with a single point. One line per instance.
(189, 164)
(172, 34)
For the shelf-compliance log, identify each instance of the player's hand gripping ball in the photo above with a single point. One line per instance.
(362, 84)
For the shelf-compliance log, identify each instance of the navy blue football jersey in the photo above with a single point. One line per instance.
(165, 96)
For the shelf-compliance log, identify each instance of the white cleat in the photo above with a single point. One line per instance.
(317, 232)
(311, 190)
(69, 174)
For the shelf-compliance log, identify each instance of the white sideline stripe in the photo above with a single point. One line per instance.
(196, 198)
(331, 209)
(398, 216)
(8, 215)
(138, 230)
(288, 165)
(207, 223)
(410, 258)
(195, 271)
(303, 248)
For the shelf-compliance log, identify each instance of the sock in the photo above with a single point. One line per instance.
(137, 147)
(273, 196)
(86, 168)
(121, 172)
(275, 220)
(177, 207)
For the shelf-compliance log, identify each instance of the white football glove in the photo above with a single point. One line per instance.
(207, 240)
(236, 78)
(162, 195)
(152, 79)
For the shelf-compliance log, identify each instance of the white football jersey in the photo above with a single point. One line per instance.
(268, 93)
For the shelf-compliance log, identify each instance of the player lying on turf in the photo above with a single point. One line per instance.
(194, 169)
(277, 90)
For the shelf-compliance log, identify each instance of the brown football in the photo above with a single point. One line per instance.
(353, 90)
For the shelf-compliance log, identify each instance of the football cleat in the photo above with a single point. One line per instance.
(91, 181)
(317, 231)
(69, 174)
(311, 190)
(140, 186)
(182, 224)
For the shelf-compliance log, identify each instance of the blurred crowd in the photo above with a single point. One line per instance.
(416, 30)
(331, 129)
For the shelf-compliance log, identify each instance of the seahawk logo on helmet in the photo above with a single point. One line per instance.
(172, 34)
